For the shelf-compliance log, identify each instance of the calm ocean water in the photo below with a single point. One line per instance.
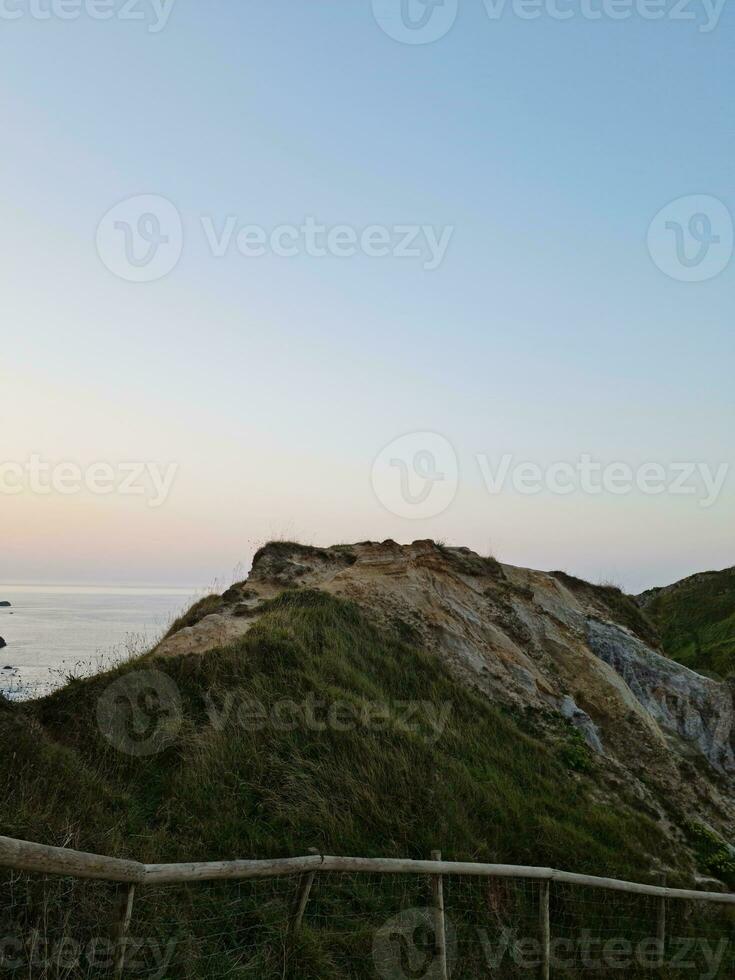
(52, 631)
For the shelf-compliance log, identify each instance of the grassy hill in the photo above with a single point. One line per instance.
(232, 780)
(696, 621)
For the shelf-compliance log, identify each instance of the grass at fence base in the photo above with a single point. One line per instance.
(242, 929)
(484, 790)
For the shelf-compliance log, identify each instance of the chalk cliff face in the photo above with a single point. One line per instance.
(681, 702)
(542, 643)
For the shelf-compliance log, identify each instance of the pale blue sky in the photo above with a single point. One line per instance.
(546, 332)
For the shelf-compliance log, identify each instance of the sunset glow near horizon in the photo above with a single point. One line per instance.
(260, 391)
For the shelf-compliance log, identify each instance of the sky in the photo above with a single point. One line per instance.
(522, 257)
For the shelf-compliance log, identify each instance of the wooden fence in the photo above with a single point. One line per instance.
(24, 856)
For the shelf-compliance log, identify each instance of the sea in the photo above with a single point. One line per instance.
(54, 632)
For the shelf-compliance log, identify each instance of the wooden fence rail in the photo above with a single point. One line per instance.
(26, 856)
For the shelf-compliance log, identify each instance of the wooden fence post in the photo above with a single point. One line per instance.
(302, 898)
(545, 923)
(661, 926)
(126, 897)
(440, 931)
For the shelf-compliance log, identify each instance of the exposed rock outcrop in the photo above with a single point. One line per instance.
(546, 644)
(683, 703)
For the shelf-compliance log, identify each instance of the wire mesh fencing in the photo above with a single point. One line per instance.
(57, 927)
(331, 924)
(213, 929)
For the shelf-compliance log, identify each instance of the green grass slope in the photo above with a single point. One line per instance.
(232, 780)
(235, 785)
(696, 621)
